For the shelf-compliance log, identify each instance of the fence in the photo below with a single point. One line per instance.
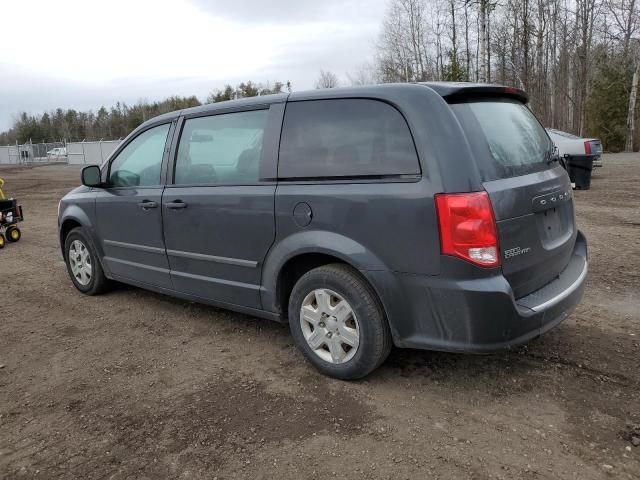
(9, 155)
(30, 153)
(90, 153)
(73, 153)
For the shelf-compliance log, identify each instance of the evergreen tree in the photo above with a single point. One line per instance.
(608, 102)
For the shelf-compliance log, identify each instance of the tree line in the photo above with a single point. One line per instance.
(106, 124)
(579, 60)
(117, 121)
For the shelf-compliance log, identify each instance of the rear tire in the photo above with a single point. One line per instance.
(82, 262)
(2, 241)
(343, 332)
(13, 234)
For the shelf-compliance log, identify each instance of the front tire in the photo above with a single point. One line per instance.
(82, 262)
(337, 322)
(13, 234)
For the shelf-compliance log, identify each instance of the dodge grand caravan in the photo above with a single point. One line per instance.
(430, 216)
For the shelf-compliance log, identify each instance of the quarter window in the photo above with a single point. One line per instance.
(140, 162)
(345, 138)
(221, 149)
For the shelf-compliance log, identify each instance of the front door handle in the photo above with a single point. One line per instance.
(176, 204)
(147, 204)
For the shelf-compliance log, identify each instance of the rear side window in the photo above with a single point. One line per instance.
(345, 138)
(221, 149)
(516, 142)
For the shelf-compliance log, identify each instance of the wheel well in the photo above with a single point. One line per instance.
(295, 268)
(66, 227)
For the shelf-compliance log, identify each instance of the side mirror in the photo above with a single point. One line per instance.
(91, 176)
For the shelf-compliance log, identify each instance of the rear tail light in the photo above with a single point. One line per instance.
(468, 227)
(587, 147)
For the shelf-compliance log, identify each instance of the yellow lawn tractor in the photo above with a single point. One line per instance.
(10, 215)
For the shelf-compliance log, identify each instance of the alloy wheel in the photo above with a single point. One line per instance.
(329, 326)
(80, 262)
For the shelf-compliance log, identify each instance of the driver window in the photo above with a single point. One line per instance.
(139, 163)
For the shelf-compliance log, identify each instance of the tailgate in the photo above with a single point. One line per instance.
(530, 192)
(536, 227)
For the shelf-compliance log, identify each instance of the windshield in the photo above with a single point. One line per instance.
(516, 142)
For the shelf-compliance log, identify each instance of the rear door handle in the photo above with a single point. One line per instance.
(176, 205)
(147, 204)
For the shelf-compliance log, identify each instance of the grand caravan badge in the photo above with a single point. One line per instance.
(514, 252)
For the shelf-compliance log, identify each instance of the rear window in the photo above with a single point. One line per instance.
(506, 137)
(345, 138)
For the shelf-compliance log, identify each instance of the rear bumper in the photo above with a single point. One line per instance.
(478, 314)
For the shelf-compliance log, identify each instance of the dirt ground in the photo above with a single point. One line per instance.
(138, 385)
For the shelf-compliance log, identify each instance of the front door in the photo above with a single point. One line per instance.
(218, 213)
(129, 214)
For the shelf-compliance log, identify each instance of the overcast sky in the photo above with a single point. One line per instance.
(86, 53)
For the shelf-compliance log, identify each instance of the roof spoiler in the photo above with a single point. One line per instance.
(460, 91)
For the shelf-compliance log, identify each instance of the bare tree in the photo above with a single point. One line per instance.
(364, 74)
(327, 79)
(403, 46)
(585, 15)
(485, 7)
(631, 114)
(557, 50)
(482, 20)
(626, 21)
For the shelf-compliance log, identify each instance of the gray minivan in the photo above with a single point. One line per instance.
(432, 216)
